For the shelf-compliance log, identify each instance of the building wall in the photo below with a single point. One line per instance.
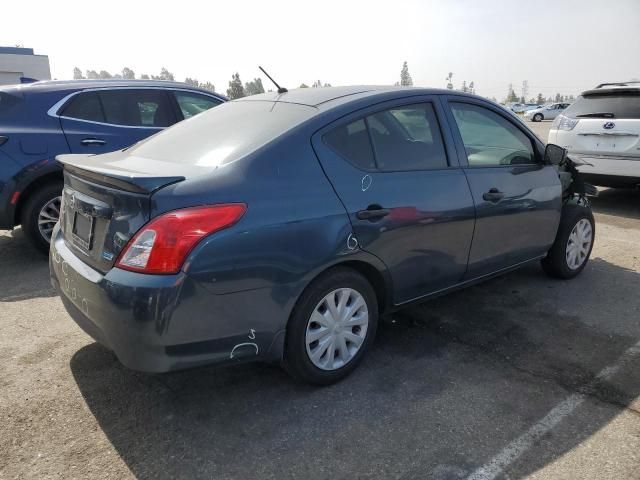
(21, 62)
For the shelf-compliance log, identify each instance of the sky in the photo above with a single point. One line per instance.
(557, 46)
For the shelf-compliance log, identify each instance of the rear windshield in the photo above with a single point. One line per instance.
(223, 134)
(8, 103)
(626, 105)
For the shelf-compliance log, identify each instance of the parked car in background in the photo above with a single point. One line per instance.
(523, 107)
(41, 120)
(545, 112)
(602, 128)
(280, 226)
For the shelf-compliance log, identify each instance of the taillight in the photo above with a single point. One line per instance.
(564, 123)
(161, 246)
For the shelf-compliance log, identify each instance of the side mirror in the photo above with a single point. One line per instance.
(554, 154)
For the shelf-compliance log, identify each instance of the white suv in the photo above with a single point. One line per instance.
(602, 127)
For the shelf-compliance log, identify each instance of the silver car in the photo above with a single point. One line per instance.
(545, 112)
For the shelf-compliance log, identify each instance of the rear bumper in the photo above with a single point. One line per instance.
(160, 323)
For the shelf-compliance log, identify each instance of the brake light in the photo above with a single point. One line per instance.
(564, 123)
(161, 246)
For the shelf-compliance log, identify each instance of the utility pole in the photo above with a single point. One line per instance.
(525, 90)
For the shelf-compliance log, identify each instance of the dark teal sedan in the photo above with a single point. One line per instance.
(281, 226)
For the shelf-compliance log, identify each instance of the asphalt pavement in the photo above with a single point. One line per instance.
(520, 377)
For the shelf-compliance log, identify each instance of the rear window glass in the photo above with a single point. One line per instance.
(223, 134)
(605, 106)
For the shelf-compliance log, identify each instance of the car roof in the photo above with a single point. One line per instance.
(329, 97)
(616, 87)
(73, 85)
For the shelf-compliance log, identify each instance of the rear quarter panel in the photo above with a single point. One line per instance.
(294, 228)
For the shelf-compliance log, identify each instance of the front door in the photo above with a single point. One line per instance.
(408, 201)
(517, 197)
(107, 120)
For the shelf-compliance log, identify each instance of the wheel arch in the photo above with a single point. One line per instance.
(33, 186)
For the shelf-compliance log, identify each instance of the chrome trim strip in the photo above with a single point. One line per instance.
(53, 111)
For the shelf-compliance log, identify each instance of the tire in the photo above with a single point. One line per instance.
(538, 117)
(337, 284)
(31, 212)
(557, 263)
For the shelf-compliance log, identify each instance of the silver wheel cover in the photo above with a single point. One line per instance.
(337, 329)
(579, 244)
(48, 217)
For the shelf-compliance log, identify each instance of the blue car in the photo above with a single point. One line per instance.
(280, 227)
(41, 120)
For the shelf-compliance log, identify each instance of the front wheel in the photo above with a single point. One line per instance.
(571, 249)
(537, 117)
(331, 328)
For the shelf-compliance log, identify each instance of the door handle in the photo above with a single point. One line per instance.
(372, 213)
(493, 195)
(92, 141)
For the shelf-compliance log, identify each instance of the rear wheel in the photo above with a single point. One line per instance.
(41, 213)
(572, 247)
(537, 117)
(331, 328)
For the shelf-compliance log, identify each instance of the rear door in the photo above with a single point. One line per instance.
(102, 121)
(396, 173)
(517, 198)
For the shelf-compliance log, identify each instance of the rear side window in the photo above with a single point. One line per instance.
(138, 108)
(615, 105)
(407, 138)
(489, 139)
(85, 106)
(399, 139)
(192, 103)
(352, 143)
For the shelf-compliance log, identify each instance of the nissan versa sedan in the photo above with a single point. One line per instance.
(280, 227)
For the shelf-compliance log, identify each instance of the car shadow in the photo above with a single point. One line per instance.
(24, 271)
(448, 384)
(618, 202)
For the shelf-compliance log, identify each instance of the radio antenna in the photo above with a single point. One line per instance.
(280, 89)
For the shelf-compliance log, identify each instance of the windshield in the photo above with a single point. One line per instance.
(223, 134)
(613, 105)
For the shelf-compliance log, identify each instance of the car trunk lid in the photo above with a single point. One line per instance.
(106, 199)
(602, 136)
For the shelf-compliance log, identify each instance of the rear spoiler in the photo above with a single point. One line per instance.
(77, 165)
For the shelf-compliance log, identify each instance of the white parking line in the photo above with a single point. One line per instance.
(523, 443)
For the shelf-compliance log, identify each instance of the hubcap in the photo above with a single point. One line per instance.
(337, 328)
(48, 217)
(579, 244)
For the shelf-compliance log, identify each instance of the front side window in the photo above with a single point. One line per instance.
(398, 139)
(489, 139)
(192, 103)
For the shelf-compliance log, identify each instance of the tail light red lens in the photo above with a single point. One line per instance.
(162, 245)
